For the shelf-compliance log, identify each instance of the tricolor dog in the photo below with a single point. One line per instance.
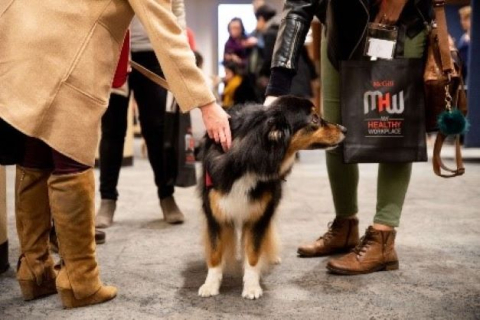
(241, 188)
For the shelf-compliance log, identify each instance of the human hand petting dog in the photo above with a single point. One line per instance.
(217, 125)
(390, 11)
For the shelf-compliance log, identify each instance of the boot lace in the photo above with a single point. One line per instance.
(363, 245)
(332, 230)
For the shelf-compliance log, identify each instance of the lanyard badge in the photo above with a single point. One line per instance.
(381, 41)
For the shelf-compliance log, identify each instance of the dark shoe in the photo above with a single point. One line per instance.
(376, 252)
(171, 212)
(4, 265)
(104, 218)
(100, 237)
(342, 236)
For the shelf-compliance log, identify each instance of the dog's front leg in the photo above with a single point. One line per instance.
(220, 239)
(252, 266)
(251, 281)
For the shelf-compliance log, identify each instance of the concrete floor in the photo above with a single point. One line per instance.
(158, 268)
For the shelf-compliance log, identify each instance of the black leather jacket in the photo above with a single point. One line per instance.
(346, 23)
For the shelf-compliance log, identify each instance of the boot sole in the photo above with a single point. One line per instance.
(316, 255)
(390, 266)
(31, 290)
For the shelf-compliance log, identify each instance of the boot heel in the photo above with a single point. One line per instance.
(31, 290)
(390, 266)
(68, 299)
(103, 294)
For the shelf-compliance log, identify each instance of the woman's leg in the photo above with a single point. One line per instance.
(71, 189)
(394, 178)
(377, 250)
(114, 129)
(343, 233)
(151, 100)
(35, 272)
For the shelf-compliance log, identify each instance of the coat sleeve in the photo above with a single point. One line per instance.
(296, 18)
(171, 47)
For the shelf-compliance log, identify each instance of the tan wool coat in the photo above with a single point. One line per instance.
(58, 58)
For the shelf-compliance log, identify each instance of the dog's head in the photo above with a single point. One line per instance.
(297, 120)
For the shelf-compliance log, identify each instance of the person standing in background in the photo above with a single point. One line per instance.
(463, 44)
(238, 44)
(151, 101)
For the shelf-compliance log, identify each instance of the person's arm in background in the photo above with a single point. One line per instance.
(178, 64)
(296, 18)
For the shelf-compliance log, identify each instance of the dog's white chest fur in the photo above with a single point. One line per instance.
(236, 205)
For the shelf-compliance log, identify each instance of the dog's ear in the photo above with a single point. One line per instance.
(278, 129)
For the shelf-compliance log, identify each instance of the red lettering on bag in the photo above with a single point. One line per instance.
(383, 102)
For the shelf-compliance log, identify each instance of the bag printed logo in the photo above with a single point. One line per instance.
(384, 109)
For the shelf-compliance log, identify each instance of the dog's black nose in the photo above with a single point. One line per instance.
(342, 128)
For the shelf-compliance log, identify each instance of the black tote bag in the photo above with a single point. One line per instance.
(179, 146)
(383, 108)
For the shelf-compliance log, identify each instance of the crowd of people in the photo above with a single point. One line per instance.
(247, 59)
(73, 97)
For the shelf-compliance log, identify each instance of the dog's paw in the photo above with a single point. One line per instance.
(277, 260)
(208, 290)
(252, 292)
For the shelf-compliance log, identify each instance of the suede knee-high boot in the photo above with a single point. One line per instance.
(72, 203)
(35, 272)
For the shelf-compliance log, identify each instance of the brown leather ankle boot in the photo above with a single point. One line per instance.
(376, 252)
(35, 273)
(72, 203)
(342, 236)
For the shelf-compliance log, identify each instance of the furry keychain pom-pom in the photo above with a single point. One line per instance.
(452, 122)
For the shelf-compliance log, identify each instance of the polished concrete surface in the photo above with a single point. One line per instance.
(158, 268)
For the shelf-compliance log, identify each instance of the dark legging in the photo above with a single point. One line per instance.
(39, 155)
(151, 100)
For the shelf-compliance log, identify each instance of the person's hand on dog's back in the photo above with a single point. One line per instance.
(269, 100)
(217, 125)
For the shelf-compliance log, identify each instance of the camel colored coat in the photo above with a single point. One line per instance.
(58, 58)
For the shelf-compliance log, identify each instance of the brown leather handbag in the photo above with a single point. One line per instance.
(443, 88)
(443, 81)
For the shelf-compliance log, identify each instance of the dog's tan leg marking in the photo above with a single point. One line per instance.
(214, 198)
(271, 245)
(216, 260)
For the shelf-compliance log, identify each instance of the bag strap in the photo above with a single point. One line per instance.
(150, 75)
(438, 164)
(442, 33)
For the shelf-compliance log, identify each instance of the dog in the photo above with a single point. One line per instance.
(241, 188)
